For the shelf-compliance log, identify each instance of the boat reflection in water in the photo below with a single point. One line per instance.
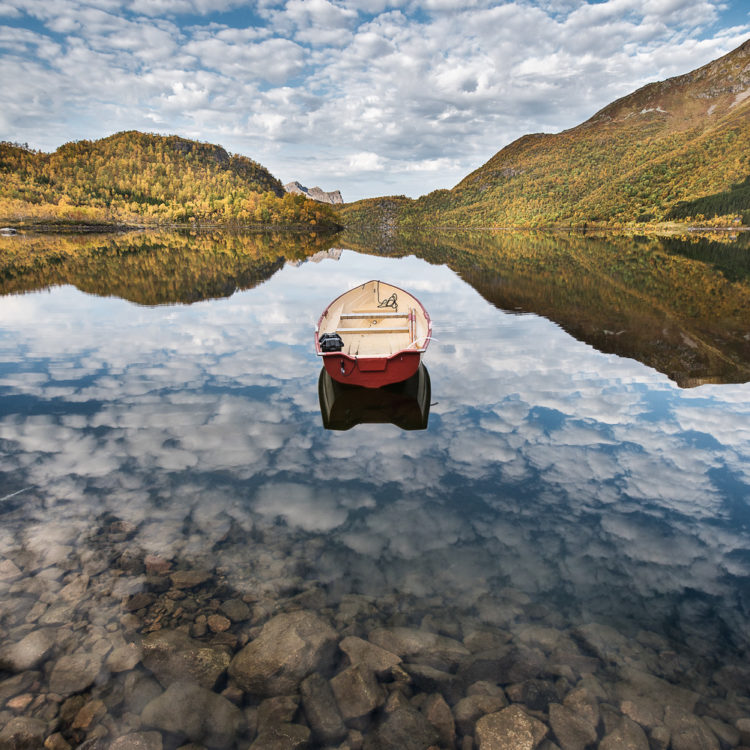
(405, 404)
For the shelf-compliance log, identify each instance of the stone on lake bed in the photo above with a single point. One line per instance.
(28, 652)
(75, 589)
(283, 737)
(73, 673)
(139, 601)
(573, 732)
(20, 702)
(56, 742)
(173, 655)
(9, 571)
(509, 729)
(402, 727)
(689, 732)
(138, 741)
(156, 565)
(89, 713)
(369, 655)
(417, 645)
(626, 736)
(439, 714)
(471, 708)
(23, 733)
(124, 658)
(188, 579)
(200, 715)
(357, 693)
(289, 647)
(218, 624)
(277, 710)
(17, 684)
(534, 694)
(236, 610)
(321, 709)
(582, 702)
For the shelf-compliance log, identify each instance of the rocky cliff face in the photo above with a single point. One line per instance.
(315, 193)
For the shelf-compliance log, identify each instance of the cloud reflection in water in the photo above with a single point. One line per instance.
(587, 481)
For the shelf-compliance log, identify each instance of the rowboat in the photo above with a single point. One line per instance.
(373, 335)
(405, 405)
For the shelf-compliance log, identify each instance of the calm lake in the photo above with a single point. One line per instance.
(564, 527)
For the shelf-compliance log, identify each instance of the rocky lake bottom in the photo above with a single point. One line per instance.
(121, 648)
(559, 559)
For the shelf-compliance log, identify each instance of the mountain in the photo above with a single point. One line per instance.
(677, 150)
(134, 177)
(315, 193)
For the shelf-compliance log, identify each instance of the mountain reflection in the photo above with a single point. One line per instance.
(153, 268)
(678, 305)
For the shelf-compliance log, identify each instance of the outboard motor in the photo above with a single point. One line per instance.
(331, 342)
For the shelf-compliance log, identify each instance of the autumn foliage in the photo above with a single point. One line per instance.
(140, 178)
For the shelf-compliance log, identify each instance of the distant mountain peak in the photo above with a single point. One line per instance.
(315, 193)
(714, 88)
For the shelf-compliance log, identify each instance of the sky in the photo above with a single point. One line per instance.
(371, 97)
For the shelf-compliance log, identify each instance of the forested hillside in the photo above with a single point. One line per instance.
(678, 150)
(134, 177)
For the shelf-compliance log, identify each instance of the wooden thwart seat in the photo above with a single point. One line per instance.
(371, 314)
(375, 329)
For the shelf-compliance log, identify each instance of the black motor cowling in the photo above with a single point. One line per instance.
(331, 342)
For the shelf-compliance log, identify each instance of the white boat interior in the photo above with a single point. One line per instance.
(376, 320)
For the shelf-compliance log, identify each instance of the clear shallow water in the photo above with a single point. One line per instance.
(555, 486)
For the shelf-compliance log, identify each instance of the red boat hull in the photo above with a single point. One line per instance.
(372, 372)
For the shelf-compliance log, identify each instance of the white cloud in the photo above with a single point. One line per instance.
(366, 161)
(370, 98)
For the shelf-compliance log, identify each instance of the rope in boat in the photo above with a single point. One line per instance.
(392, 301)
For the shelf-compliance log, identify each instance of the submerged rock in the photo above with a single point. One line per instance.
(28, 652)
(73, 673)
(357, 693)
(321, 710)
(509, 729)
(689, 732)
(421, 646)
(369, 655)
(138, 741)
(236, 610)
(289, 647)
(192, 711)
(173, 655)
(283, 737)
(124, 658)
(438, 713)
(573, 732)
(402, 727)
(471, 708)
(22, 733)
(627, 736)
(189, 579)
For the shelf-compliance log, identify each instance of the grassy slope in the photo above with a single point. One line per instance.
(669, 142)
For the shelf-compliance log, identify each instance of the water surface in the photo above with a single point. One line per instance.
(560, 493)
